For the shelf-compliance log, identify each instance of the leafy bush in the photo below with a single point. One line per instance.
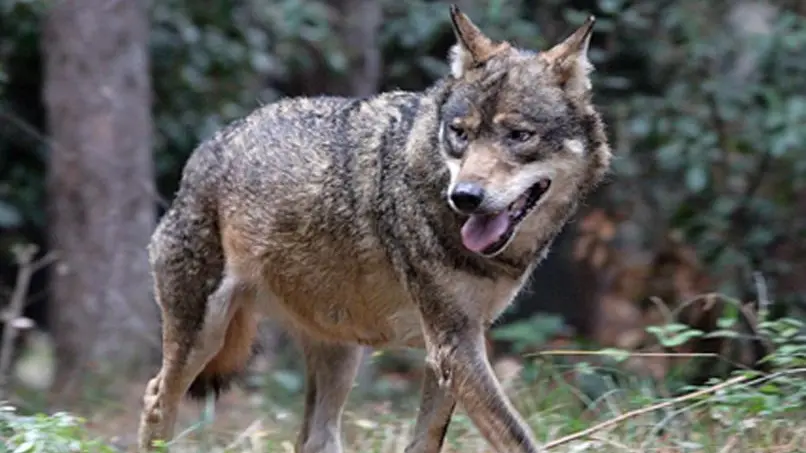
(779, 390)
(41, 433)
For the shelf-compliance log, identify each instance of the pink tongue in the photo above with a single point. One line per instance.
(482, 231)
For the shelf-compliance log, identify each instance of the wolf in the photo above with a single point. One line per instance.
(399, 220)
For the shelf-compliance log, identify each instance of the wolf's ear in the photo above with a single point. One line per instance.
(472, 48)
(569, 59)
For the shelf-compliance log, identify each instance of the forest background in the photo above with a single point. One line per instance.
(689, 265)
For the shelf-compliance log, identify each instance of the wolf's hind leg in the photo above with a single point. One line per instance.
(187, 348)
(434, 416)
(199, 304)
(330, 371)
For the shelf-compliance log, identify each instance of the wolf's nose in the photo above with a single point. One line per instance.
(467, 197)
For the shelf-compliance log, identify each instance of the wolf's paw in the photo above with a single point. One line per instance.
(153, 387)
(151, 401)
(324, 440)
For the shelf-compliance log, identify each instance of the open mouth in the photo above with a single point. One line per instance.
(489, 234)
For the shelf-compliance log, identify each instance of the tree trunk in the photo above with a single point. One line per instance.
(97, 95)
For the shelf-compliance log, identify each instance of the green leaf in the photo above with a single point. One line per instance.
(672, 327)
(674, 334)
(494, 10)
(696, 178)
(722, 333)
(725, 322)
(25, 447)
(681, 338)
(611, 6)
(10, 216)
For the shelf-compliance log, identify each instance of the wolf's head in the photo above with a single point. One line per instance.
(520, 136)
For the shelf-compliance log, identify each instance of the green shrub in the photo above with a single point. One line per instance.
(42, 433)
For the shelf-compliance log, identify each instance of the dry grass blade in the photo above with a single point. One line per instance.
(578, 352)
(729, 445)
(614, 443)
(644, 410)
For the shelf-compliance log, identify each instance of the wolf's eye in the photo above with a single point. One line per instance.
(458, 131)
(520, 136)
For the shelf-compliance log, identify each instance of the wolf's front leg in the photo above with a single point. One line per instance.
(330, 371)
(456, 354)
(434, 416)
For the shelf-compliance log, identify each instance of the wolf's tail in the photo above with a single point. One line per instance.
(232, 359)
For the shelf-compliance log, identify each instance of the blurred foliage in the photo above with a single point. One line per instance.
(706, 107)
(525, 333)
(58, 432)
(719, 149)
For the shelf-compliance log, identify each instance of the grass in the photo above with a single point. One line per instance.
(575, 401)
(747, 412)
